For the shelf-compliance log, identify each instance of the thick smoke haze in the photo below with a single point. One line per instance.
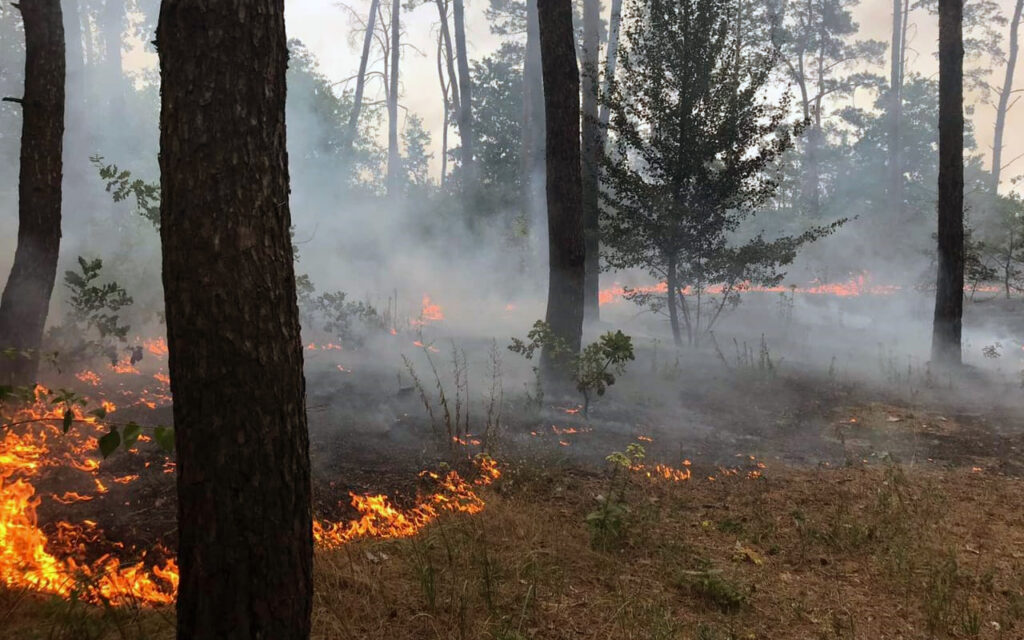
(487, 283)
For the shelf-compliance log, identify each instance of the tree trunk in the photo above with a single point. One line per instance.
(564, 180)
(1004, 97)
(533, 134)
(357, 98)
(26, 297)
(812, 174)
(610, 62)
(449, 57)
(592, 151)
(895, 168)
(244, 496)
(467, 137)
(949, 292)
(394, 177)
(446, 104)
(672, 282)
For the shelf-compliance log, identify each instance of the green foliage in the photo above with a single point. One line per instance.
(609, 523)
(96, 305)
(593, 370)
(417, 159)
(351, 321)
(695, 148)
(122, 186)
(92, 326)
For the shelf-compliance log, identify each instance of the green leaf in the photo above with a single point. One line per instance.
(110, 442)
(131, 434)
(164, 437)
(68, 417)
(100, 413)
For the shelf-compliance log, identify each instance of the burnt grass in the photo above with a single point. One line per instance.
(881, 510)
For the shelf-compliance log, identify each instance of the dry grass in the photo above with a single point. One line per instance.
(853, 553)
(871, 553)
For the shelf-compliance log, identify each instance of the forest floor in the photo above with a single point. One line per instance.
(816, 507)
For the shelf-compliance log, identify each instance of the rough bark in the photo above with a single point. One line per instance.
(394, 177)
(26, 297)
(592, 150)
(244, 497)
(357, 97)
(467, 136)
(532, 150)
(895, 168)
(949, 292)
(1004, 97)
(564, 180)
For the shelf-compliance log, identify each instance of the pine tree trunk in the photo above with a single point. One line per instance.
(26, 297)
(394, 177)
(895, 168)
(564, 180)
(533, 130)
(244, 497)
(1004, 97)
(357, 97)
(467, 136)
(949, 292)
(592, 151)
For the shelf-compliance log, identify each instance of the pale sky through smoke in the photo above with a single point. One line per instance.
(324, 27)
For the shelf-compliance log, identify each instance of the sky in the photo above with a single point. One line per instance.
(325, 26)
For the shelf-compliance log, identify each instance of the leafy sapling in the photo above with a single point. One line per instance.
(593, 370)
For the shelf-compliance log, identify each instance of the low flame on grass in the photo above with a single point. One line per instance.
(379, 518)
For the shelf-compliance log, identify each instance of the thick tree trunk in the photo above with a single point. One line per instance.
(357, 97)
(26, 297)
(467, 137)
(895, 168)
(532, 150)
(244, 497)
(592, 151)
(564, 180)
(949, 292)
(1004, 97)
(394, 177)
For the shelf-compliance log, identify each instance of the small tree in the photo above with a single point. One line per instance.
(694, 142)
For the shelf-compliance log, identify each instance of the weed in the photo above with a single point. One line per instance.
(608, 523)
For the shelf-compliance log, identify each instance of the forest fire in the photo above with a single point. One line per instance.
(59, 559)
(25, 558)
(379, 518)
(857, 285)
